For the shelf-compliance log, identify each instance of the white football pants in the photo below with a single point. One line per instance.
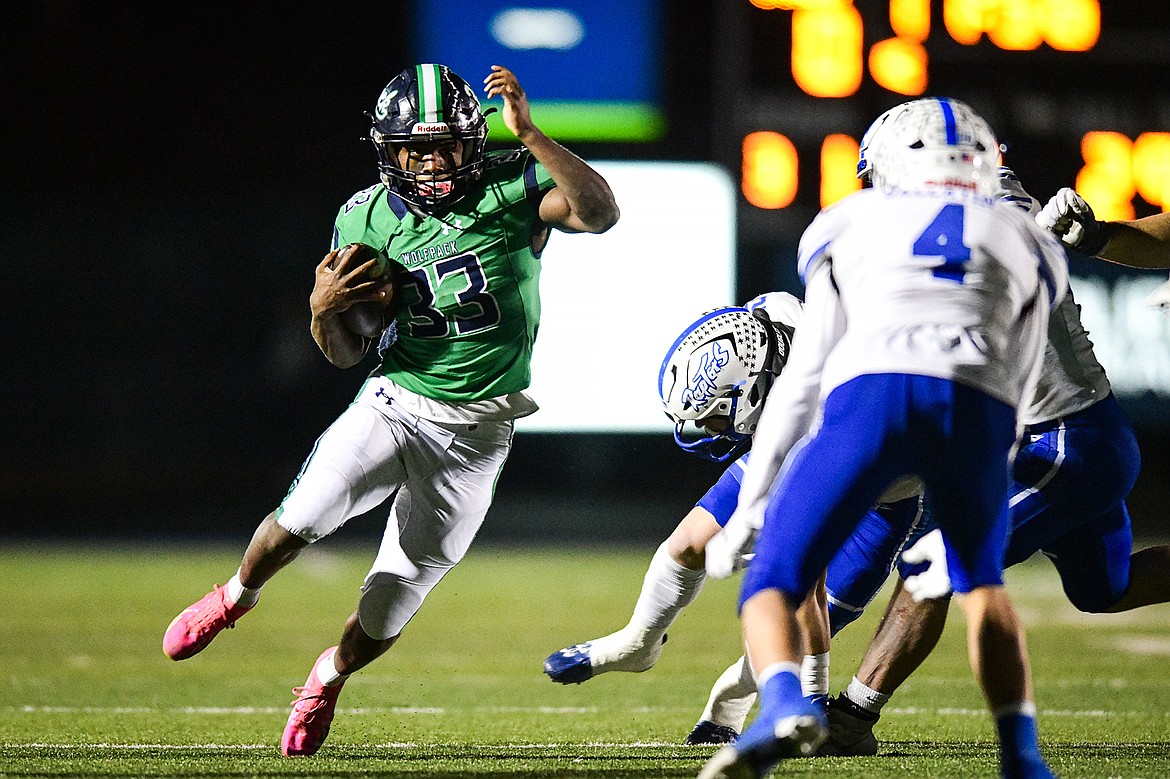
(444, 475)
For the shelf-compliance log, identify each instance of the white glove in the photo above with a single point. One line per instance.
(1009, 189)
(1159, 299)
(935, 581)
(1071, 219)
(731, 548)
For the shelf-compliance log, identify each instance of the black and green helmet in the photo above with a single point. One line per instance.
(427, 103)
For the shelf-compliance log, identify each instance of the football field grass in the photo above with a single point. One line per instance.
(88, 692)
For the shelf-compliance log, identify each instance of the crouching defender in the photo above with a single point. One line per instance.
(716, 376)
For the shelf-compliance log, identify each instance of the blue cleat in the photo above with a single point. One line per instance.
(571, 665)
(785, 728)
(629, 649)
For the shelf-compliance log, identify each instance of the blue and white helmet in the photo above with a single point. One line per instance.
(931, 143)
(864, 164)
(721, 368)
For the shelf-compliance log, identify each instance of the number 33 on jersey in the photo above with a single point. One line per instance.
(468, 318)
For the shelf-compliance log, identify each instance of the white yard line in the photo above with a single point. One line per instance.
(439, 711)
(391, 745)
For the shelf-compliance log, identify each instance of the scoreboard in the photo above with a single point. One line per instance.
(1074, 89)
(1068, 74)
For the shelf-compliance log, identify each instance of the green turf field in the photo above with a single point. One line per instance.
(88, 692)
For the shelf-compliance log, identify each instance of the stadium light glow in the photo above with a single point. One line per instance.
(1151, 168)
(910, 19)
(1022, 25)
(899, 65)
(769, 170)
(1106, 180)
(827, 50)
(838, 168)
(1072, 25)
(1016, 26)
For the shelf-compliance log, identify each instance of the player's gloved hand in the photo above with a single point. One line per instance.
(1160, 298)
(1071, 219)
(1009, 189)
(731, 548)
(934, 581)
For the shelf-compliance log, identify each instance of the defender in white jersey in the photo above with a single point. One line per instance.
(715, 376)
(1076, 463)
(926, 308)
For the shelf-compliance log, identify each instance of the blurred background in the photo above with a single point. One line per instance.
(173, 171)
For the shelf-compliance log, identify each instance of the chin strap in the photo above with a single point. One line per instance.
(716, 448)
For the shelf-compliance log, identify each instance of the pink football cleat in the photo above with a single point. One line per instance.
(312, 714)
(191, 631)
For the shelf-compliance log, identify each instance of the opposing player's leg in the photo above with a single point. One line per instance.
(727, 707)
(906, 635)
(860, 567)
(672, 582)
(1072, 480)
(964, 469)
(322, 498)
(825, 491)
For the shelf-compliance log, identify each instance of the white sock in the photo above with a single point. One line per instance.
(814, 674)
(327, 671)
(732, 696)
(239, 594)
(866, 697)
(667, 589)
(1023, 708)
(782, 666)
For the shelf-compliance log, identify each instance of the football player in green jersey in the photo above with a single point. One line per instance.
(432, 425)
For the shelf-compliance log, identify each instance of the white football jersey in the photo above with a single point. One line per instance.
(946, 285)
(782, 308)
(1071, 379)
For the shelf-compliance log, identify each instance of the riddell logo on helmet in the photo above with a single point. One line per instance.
(432, 127)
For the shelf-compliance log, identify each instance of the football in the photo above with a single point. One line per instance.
(370, 318)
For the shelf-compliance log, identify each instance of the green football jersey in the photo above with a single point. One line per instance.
(468, 317)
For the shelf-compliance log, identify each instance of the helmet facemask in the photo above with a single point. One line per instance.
(934, 143)
(717, 375)
(426, 105)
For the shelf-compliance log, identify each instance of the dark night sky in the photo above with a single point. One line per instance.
(173, 171)
(177, 173)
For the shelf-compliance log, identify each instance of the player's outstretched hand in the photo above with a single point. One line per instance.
(935, 580)
(1159, 299)
(1072, 220)
(517, 117)
(731, 548)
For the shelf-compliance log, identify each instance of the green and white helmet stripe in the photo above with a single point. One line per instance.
(430, 94)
